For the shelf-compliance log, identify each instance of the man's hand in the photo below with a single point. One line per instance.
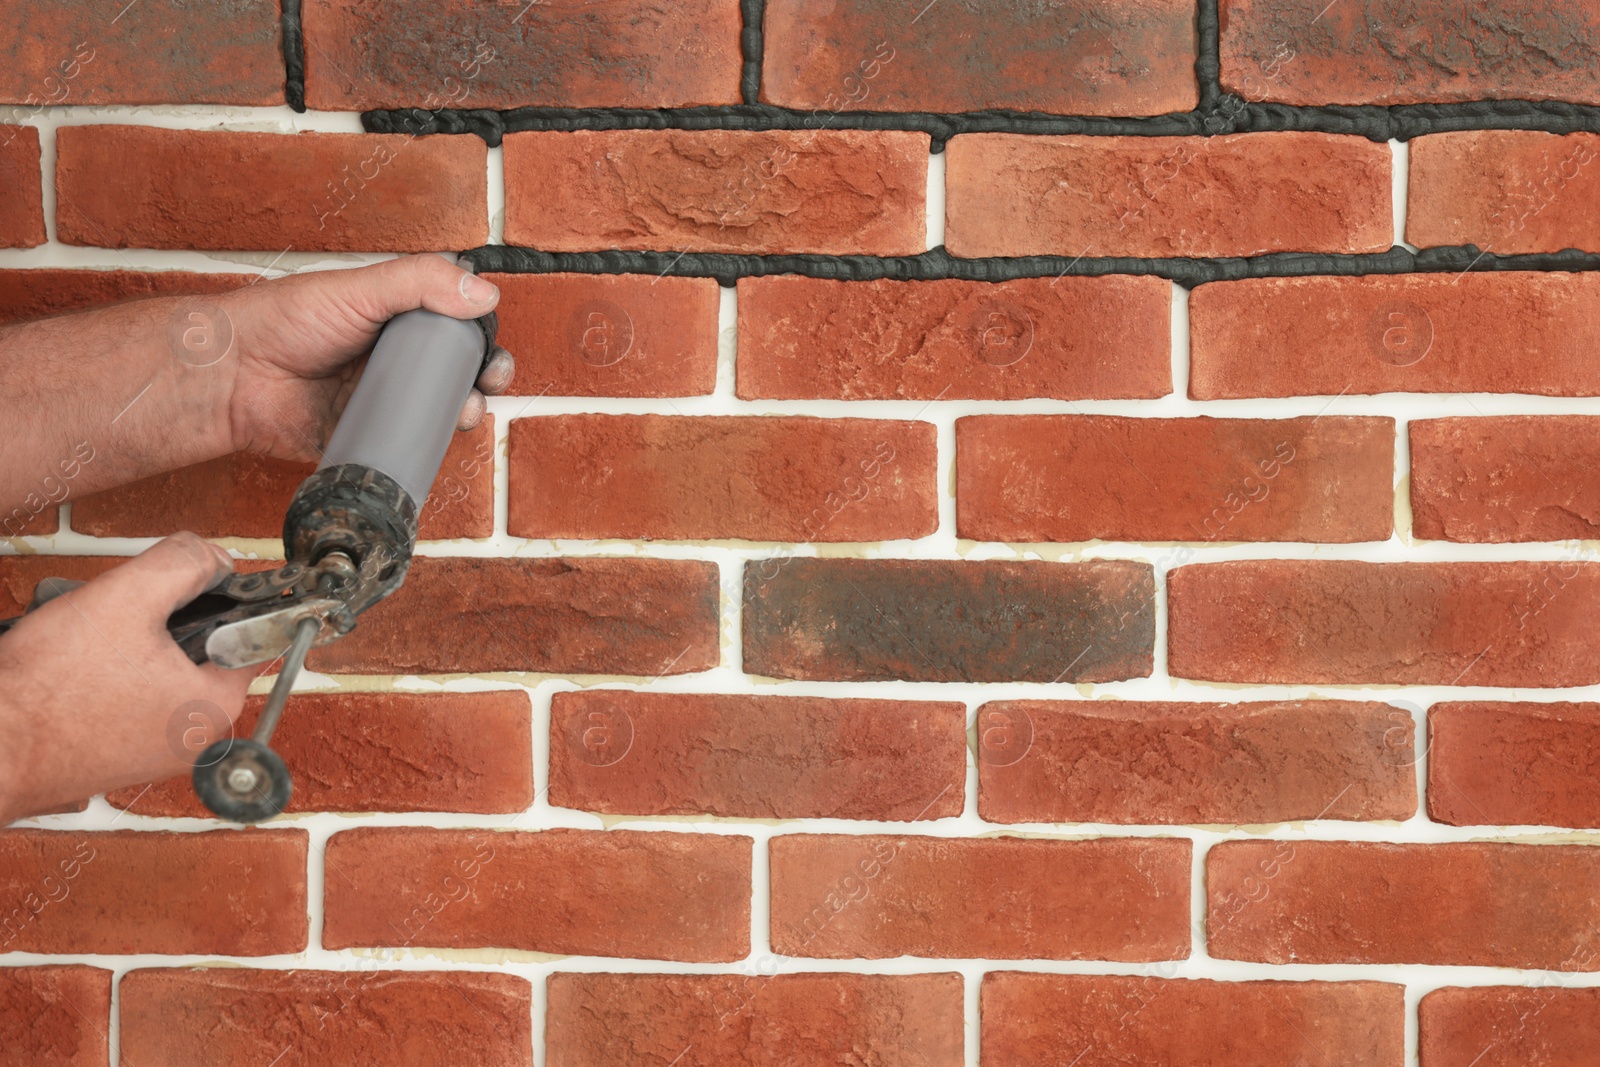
(299, 339)
(94, 683)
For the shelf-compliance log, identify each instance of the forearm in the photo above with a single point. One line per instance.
(94, 400)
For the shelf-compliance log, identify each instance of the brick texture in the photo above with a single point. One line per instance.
(198, 1017)
(35, 515)
(222, 893)
(1003, 898)
(1065, 338)
(1483, 905)
(155, 52)
(1133, 57)
(1044, 1020)
(212, 189)
(1546, 1026)
(832, 191)
(1229, 195)
(1068, 478)
(760, 757)
(580, 892)
(382, 752)
(1505, 478)
(1344, 622)
(711, 477)
(1507, 763)
(609, 335)
(1397, 52)
(1404, 333)
(1113, 761)
(709, 1020)
(416, 53)
(54, 1014)
(21, 188)
(246, 495)
(33, 294)
(947, 620)
(1506, 191)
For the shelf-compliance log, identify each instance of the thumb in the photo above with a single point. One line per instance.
(384, 290)
(172, 572)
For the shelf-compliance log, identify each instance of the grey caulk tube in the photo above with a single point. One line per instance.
(405, 408)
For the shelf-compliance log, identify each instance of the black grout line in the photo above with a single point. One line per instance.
(938, 264)
(751, 46)
(294, 56)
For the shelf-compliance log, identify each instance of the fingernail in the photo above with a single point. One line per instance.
(477, 290)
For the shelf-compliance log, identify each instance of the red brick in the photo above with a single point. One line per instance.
(140, 187)
(712, 1020)
(1044, 1020)
(1230, 195)
(948, 620)
(1063, 338)
(1310, 52)
(1506, 191)
(1504, 763)
(1132, 57)
(1116, 761)
(756, 757)
(680, 478)
(1001, 898)
(246, 495)
(383, 752)
(563, 616)
(1482, 905)
(56, 1015)
(609, 334)
(1343, 622)
(649, 895)
(224, 893)
(830, 191)
(1404, 333)
(155, 52)
(360, 1016)
(1505, 478)
(1067, 478)
(21, 188)
(34, 516)
(1546, 1026)
(421, 53)
(35, 294)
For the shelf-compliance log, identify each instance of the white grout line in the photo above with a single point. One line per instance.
(935, 199)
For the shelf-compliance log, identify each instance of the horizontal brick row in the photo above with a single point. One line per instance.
(61, 1014)
(360, 752)
(643, 617)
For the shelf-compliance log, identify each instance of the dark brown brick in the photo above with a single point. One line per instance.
(1406, 333)
(1507, 763)
(359, 1017)
(1129, 761)
(1312, 52)
(763, 757)
(1344, 622)
(999, 898)
(382, 752)
(1548, 1026)
(828, 191)
(713, 1020)
(1045, 1020)
(1104, 477)
(609, 335)
(1471, 905)
(1228, 195)
(1506, 191)
(948, 620)
(54, 1015)
(569, 892)
(1131, 57)
(709, 477)
(1065, 338)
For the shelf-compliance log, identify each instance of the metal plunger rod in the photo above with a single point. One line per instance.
(293, 660)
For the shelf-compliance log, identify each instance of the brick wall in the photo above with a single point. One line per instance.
(1042, 534)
